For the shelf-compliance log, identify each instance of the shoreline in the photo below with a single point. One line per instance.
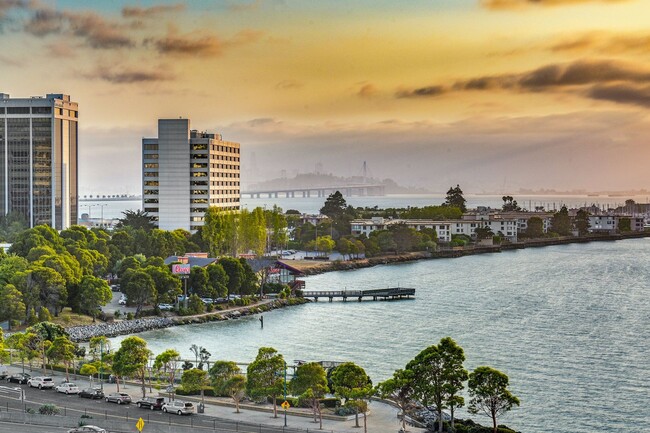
(84, 333)
(309, 267)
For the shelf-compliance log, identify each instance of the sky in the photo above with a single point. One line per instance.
(494, 95)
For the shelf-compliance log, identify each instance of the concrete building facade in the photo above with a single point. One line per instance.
(185, 172)
(39, 159)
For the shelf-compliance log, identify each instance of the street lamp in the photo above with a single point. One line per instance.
(101, 223)
(284, 404)
(101, 364)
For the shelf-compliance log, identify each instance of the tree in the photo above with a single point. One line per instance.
(168, 361)
(439, 375)
(561, 223)
(219, 231)
(265, 376)
(12, 307)
(235, 387)
(334, 206)
(168, 285)
(93, 292)
(310, 384)
(488, 389)
(455, 199)
(194, 380)
(199, 282)
(249, 282)
(201, 355)
(136, 220)
(624, 224)
(535, 228)
(131, 360)
(581, 222)
(483, 233)
(350, 382)
(235, 273)
(220, 373)
(62, 349)
(139, 288)
(217, 280)
(400, 389)
(510, 204)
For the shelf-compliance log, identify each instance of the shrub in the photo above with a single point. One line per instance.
(117, 314)
(49, 409)
(129, 316)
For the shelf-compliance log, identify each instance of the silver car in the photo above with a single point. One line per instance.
(87, 429)
(179, 407)
(118, 397)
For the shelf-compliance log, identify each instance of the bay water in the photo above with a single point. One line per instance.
(569, 325)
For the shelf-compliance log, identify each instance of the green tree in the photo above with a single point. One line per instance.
(235, 387)
(310, 384)
(94, 292)
(139, 288)
(131, 360)
(483, 233)
(488, 389)
(217, 280)
(199, 282)
(168, 285)
(350, 382)
(561, 223)
(194, 380)
(168, 361)
(219, 231)
(455, 374)
(62, 349)
(334, 206)
(624, 225)
(581, 222)
(265, 376)
(12, 307)
(535, 228)
(97, 345)
(235, 273)
(136, 220)
(220, 373)
(250, 283)
(401, 389)
(195, 305)
(455, 199)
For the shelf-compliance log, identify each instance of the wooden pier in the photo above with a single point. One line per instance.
(392, 293)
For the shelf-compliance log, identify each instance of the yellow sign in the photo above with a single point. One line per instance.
(285, 405)
(140, 424)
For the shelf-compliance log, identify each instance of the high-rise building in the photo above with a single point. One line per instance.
(184, 172)
(38, 159)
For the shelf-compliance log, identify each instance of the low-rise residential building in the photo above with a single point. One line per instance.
(610, 223)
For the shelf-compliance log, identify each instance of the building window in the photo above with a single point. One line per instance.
(150, 147)
(151, 165)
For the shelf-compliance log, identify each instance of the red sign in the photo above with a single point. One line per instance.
(182, 269)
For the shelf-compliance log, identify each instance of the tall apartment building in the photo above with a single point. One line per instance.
(184, 172)
(38, 159)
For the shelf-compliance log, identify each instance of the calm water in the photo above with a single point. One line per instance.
(568, 324)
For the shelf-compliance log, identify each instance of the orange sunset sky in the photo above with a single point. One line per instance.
(495, 95)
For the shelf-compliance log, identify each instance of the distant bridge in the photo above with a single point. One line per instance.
(320, 191)
(375, 294)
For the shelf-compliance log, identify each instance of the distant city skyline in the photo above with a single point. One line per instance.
(495, 95)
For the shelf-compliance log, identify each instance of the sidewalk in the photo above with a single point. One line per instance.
(382, 417)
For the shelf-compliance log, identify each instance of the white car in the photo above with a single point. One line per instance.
(88, 429)
(122, 300)
(165, 307)
(41, 382)
(67, 388)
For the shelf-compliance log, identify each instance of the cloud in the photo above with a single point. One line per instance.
(150, 12)
(96, 31)
(207, 45)
(622, 94)
(602, 42)
(571, 77)
(522, 4)
(8, 61)
(288, 84)
(61, 49)
(367, 91)
(130, 76)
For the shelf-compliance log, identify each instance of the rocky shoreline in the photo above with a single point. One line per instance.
(126, 327)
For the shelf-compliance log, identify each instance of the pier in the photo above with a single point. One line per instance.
(393, 293)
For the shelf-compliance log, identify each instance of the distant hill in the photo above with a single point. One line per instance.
(316, 180)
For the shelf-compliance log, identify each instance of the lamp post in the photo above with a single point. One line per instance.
(101, 364)
(284, 405)
(101, 222)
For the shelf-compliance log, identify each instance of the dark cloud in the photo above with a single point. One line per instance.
(208, 45)
(598, 77)
(521, 4)
(622, 94)
(96, 31)
(153, 11)
(130, 76)
(429, 91)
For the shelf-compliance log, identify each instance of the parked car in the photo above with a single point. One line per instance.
(67, 388)
(41, 382)
(4, 372)
(165, 307)
(21, 378)
(207, 301)
(179, 407)
(87, 429)
(151, 402)
(122, 300)
(92, 393)
(118, 397)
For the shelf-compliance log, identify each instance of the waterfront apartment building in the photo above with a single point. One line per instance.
(184, 172)
(38, 159)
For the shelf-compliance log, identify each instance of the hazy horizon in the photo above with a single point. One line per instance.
(494, 95)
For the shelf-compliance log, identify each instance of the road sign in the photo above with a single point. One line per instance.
(285, 405)
(140, 424)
